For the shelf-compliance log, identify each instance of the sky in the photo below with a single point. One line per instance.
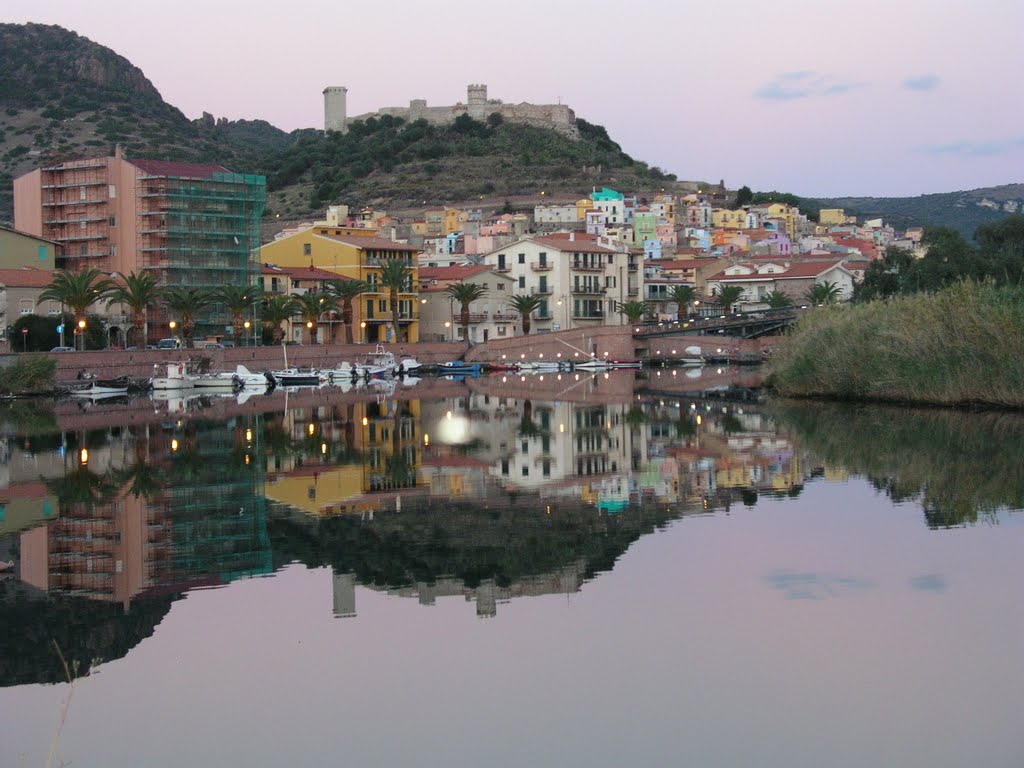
(879, 97)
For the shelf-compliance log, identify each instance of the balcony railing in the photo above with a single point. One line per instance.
(505, 268)
(633, 292)
(632, 267)
(541, 266)
(581, 266)
(544, 290)
(587, 315)
(505, 317)
(590, 290)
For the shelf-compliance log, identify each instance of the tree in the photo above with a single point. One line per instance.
(634, 311)
(465, 294)
(744, 196)
(778, 299)
(396, 276)
(820, 294)
(185, 304)
(311, 306)
(682, 295)
(728, 295)
(276, 310)
(77, 291)
(524, 304)
(346, 291)
(138, 293)
(237, 300)
(1001, 248)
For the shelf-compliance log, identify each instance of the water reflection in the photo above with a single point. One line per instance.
(491, 489)
(959, 466)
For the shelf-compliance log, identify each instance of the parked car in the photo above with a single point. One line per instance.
(172, 343)
(63, 349)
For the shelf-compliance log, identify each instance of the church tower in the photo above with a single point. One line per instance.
(476, 101)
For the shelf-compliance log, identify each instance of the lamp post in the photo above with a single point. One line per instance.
(81, 333)
(447, 325)
(247, 325)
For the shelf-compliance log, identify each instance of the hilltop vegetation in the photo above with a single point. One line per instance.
(387, 160)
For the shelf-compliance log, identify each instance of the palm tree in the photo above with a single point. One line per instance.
(634, 310)
(237, 300)
(138, 293)
(77, 291)
(346, 291)
(395, 275)
(465, 294)
(311, 306)
(276, 310)
(823, 293)
(728, 295)
(524, 304)
(186, 304)
(682, 295)
(778, 299)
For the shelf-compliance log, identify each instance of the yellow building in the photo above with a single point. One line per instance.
(831, 216)
(781, 211)
(358, 256)
(454, 220)
(582, 206)
(723, 218)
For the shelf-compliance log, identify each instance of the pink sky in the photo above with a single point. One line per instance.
(874, 98)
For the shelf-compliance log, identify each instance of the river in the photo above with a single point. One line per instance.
(648, 569)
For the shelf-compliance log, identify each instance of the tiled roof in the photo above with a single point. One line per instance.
(798, 269)
(178, 170)
(457, 272)
(372, 243)
(26, 277)
(578, 245)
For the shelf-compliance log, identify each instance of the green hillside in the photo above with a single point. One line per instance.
(965, 211)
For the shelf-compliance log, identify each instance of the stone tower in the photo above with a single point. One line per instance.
(334, 108)
(476, 101)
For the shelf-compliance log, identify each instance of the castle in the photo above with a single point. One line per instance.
(477, 106)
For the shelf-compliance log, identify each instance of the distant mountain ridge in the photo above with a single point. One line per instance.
(965, 210)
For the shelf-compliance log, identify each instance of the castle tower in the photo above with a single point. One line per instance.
(476, 101)
(334, 108)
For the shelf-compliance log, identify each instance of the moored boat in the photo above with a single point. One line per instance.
(176, 378)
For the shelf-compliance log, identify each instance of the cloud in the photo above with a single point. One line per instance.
(814, 586)
(985, 148)
(926, 82)
(804, 84)
(929, 582)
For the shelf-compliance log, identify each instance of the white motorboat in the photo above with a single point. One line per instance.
(176, 378)
(294, 377)
(229, 381)
(407, 364)
(380, 363)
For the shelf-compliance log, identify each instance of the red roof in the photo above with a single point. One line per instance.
(178, 170)
(457, 272)
(372, 243)
(577, 245)
(679, 264)
(797, 269)
(26, 277)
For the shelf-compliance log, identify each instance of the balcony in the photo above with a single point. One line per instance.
(633, 292)
(543, 290)
(538, 316)
(594, 315)
(585, 266)
(541, 266)
(505, 317)
(588, 290)
(505, 268)
(632, 267)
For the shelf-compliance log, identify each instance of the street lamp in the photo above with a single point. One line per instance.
(447, 325)
(247, 325)
(81, 332)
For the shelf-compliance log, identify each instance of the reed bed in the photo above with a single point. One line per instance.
(961, 346)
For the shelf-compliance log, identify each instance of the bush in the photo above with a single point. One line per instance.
(30, 374)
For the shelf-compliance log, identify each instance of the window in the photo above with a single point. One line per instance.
(526, 472)
(546, 468)
(501, 330)
(307, 249)
(113, 221)
(522, 258)
(382, 305)
(611, 258)
(501, 286)
(504, 466)
(525, 446)
(111, 191)
(522, 281)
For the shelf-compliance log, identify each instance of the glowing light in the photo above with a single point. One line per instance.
(311, 428)
(448, 415)
(542, 355)
(323, 447)
(559, 354)
(309, 323)
(248, 435)
(561, 427)
(542, 378)
(247, 459)
(522, 356)
(174, 444)
(426, 439)
(83, 457)
(366, 421)
(362, 324)
(698, 419)
(503, 357)
(81, 324)
(172, 325)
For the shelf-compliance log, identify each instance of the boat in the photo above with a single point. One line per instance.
(379, 363)
(593, 365)
(228, 381)
(176, 379)
(103, 387)
(344, 372)
(294, 377)
(459, 368)
(542, 366)
(407, 364)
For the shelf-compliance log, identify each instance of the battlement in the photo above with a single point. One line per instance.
(556, 116)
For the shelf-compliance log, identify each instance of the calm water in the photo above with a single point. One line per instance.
(593, 571)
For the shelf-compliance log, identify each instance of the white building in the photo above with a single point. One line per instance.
(580, 279)
(489, 317)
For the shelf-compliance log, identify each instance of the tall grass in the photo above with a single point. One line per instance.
(960, 346)
(30, 374)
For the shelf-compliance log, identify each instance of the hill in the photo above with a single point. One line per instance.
(63, 96)
(965, 211)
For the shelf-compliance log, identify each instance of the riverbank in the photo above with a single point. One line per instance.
(959, 347)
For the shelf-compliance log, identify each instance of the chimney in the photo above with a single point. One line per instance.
(572, 236)
(117, 151)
